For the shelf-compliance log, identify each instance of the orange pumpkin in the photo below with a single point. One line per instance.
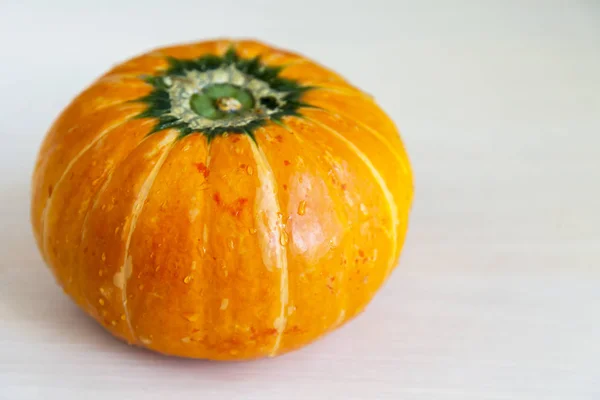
(221, 200)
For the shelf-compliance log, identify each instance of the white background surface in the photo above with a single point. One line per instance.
(498, 291)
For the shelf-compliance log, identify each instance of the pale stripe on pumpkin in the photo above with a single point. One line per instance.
(271, 234)
(95, 197)
(380, 181)
(121, 278)
(65, 173)
(376, 133)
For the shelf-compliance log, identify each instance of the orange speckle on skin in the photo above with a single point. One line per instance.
(238, 206)
(279, 138)
(235, 208)
(202, 168)
(343, 186)
(284, 186)
(286, 162)
(361, 253)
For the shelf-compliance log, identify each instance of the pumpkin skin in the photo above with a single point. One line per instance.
(221, 200)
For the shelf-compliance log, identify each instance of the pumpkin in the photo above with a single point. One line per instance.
(221, 200)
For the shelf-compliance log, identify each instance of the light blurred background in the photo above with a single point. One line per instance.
(497, 295)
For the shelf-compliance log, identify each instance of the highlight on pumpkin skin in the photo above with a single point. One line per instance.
(322, 203)
(362, 111)
(385, 188)
(224, 200)
(351, 165)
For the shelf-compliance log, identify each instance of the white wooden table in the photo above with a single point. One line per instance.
(498, 291)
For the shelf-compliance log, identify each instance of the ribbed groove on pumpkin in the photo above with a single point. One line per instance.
(380, 181)
(104, 106)
(127, 268)
(403, 160)
(101, 107)
(375, 133)
(271, 234)
(95, 197)
(83, 151)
